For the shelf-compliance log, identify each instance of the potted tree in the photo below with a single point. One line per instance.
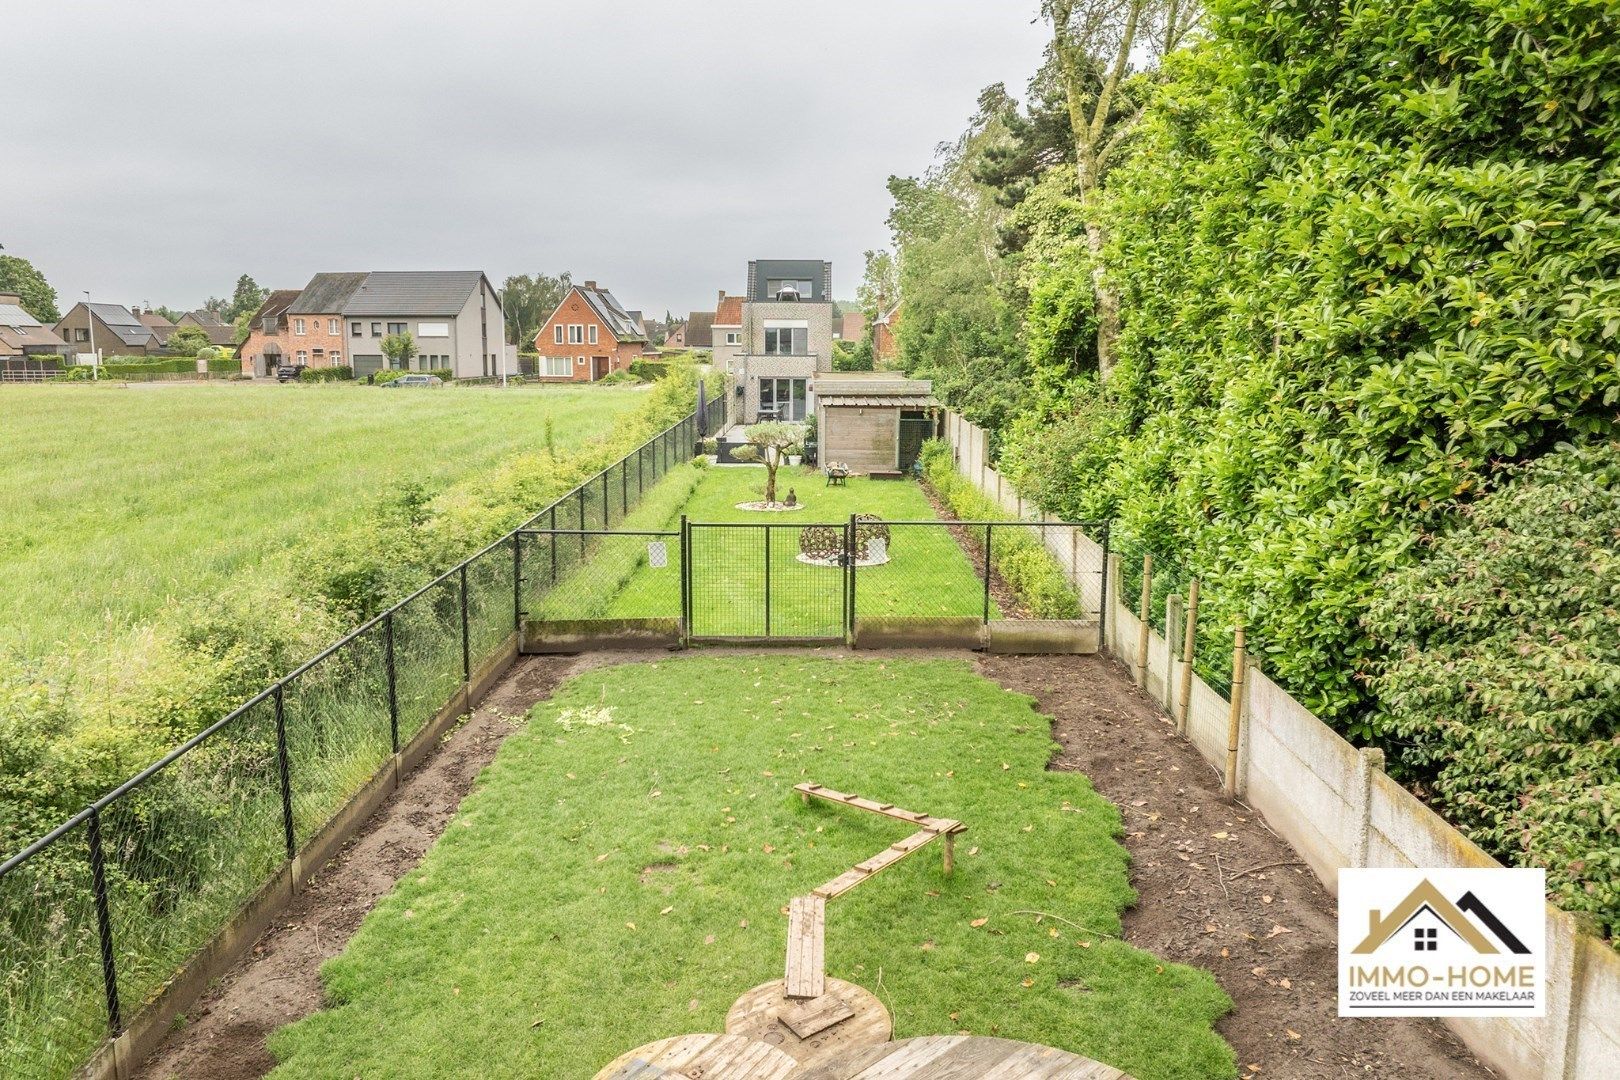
(771, 444)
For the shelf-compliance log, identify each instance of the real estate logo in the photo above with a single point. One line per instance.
(1442, 942)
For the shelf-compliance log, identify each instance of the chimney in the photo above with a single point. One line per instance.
(11, 298)
(591, 285)
(720, 301)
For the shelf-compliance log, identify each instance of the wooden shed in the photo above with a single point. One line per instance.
(875, 422)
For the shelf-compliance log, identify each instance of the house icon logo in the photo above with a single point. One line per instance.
(1425, 914)
(1442, 942)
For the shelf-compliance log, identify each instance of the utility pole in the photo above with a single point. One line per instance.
(95, 360)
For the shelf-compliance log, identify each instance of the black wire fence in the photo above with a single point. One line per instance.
(1214, 622)
(100, 913)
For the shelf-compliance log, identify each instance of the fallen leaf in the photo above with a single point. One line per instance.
(767, 849)
(1028, 983)
(973, 851)
(1222, 835)
(976, 923)
(743, 924)
(1285, 984)
(1292, 1034)
(1278, 928)
(1210, 928)
(631, 925)
(709, 940)
(1087, 945)
(1032, 958)
(666, 911)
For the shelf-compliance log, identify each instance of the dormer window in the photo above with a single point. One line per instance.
(787, 292)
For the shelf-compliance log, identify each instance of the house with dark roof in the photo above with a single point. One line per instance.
(697, 331)
(455, 316)
(588, 337)
(786, 339)
(160, 326)
(107, 330)
(22, 335)
(221, 334)
(268, 345)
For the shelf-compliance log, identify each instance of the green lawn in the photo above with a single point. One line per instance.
(114, 499)
(605, 886)
(928, 574)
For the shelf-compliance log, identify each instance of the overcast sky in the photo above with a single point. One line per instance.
(159, 149)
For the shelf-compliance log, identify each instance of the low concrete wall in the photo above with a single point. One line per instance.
(1041, 637)
(898, 633)
(145, 1031)
(1334, 805)
(589, 635)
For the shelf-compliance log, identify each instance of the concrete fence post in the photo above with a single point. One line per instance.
(1172, 626)
(1368, 761)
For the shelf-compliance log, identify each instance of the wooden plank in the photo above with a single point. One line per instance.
(840, 885)
(870, 805)
(806, 951)
(817, 1016)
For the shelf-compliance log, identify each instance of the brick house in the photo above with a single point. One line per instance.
(588, 337)
(301, 327)
(884, 346)
(727, 330)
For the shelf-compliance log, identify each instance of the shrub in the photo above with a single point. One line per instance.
(1504, 672)
(327, 374)
(1017, 554)
(649, 370)
(617, 378)
(444, 373)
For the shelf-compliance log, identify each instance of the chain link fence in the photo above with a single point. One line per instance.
(100, 913)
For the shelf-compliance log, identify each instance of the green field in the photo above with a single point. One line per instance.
(115, 499)
(928, 575)
(621, 877)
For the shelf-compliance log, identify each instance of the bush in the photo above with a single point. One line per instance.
(444, 373)
(1017, 554)
(617, 378)
(1504, 673)
(649, 370)
(340, 373)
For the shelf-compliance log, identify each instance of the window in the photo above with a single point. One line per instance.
(303, 358)
(298, 326)
(787, 341)
(733, 337)
(337, 358)
(593, 333)
(332, 327)
(557, 336)
(775, 287)
(396, 328)
(1426, 939)
(354, 329)
(782, 399)
(421, 360)
(433, 329)
(558, 366)
(81, 333)
(376, 329)
(576, 333)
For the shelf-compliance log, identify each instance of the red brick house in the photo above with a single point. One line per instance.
(588, 337)
(884, 346)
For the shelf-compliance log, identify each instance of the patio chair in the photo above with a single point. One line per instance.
(837, 473)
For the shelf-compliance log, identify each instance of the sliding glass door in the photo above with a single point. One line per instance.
(782, 399)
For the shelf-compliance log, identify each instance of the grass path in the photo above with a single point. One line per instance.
(114, 499)
(611, 883)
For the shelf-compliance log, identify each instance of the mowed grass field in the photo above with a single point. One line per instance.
(621, 871)
(114, 499)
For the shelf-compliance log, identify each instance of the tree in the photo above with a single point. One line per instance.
(245, 301)
(880, 286)
(187, 341)
(529, 300)
(18, 275)
(399, 348)
(169, 313)
(770, 444)
(1093, 41)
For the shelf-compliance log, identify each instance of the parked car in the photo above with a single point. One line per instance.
(416, 380)
(288, 372)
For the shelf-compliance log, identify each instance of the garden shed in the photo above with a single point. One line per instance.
(874, 422)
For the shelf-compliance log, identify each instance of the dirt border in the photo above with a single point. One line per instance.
(1219, 889)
